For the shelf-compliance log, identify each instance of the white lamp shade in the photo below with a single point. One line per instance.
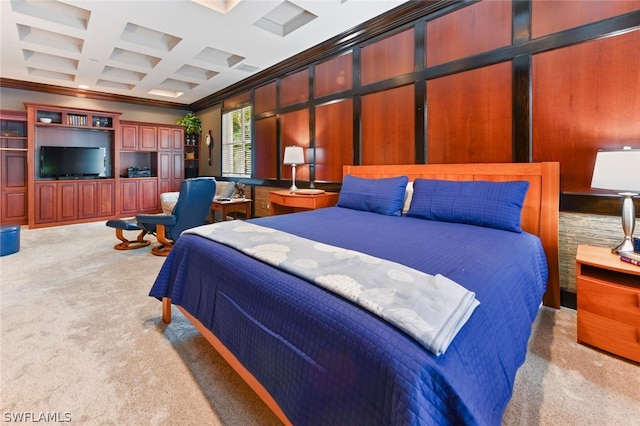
(617, 170)
(293, 155)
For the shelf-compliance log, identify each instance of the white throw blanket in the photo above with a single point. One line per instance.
(431, 309)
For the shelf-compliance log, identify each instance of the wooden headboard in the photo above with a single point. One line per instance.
(541, 205)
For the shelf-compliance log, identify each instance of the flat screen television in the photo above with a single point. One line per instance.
(72, 162)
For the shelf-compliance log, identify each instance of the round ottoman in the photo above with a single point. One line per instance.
(9, 239)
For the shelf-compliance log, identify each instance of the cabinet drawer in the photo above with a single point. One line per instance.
(616, 302)
(612, 336)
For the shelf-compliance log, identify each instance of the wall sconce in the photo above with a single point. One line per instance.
(293, 155)
(619, 170)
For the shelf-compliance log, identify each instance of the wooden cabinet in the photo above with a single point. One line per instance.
(170, 138)
(285, 201)
(139, 195)
(56, 202)
(43, 199)
(138, 137)
(13, 168)
(608, 293)
(170, 171)
(96, 199)
(158, 148)
(170, 158)
(61, 202)
(55, 199)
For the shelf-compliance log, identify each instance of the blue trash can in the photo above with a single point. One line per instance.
(9, 239)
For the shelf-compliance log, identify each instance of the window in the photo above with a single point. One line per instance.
(236, 142)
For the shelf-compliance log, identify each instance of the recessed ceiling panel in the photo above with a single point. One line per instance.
(40, 73)
(123, 74)
(177, 85)
(247, 68)
(114, 85)
(222, 6)
(46, 61)
(149, 38)
(49, 39)
(165, 93)
(53, 11)
(285, 19)
(135, 59)
(196, 72)
(218, 57)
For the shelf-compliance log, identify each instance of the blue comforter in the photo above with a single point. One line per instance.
(327, 361)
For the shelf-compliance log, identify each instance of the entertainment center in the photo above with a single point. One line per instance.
(87, 165)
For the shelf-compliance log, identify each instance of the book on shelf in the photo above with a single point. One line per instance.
(630, 257)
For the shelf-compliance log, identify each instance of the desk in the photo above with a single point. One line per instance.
(285, 201)
(242, 205)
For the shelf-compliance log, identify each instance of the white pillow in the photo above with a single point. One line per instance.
(407, 197)
(225, 189)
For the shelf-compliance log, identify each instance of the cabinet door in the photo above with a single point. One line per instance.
(46, 203)
(177, 175)
(95, 199)
(148, 138)
(129, 197)
(149, 198)
(164, 139)
(87, 199)
(13, 179)
(177, 139)
(14, 208)
(164, 186)
(164, 165)
(106, 198)
(128, 137)
(67, 201)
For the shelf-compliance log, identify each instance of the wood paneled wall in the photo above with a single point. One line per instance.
(486, 81)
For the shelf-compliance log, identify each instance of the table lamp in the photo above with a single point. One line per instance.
(619, 170)
(293, 155)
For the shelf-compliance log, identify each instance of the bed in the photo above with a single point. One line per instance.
(317, 357)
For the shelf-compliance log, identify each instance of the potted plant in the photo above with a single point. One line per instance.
(192, 124)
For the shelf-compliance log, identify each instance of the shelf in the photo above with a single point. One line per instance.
(13, 129)
(71, 119)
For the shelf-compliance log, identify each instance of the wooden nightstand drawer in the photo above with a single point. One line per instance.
(609, 335)
(616, 302)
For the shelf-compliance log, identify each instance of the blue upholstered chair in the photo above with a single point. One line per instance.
(191, 210)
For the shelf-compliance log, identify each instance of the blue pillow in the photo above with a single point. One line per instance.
(483, 203)
(384, 196)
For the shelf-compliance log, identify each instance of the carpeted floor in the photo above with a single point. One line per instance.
(80, 340)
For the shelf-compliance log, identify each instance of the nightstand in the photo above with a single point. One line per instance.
(289, 202)
(608, 302)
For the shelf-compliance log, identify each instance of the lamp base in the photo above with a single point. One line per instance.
(628, 223)
(293, 188)
(624, 246)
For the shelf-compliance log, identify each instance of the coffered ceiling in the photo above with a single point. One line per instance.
(166, 50)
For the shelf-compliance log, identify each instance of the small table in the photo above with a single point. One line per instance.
(241, 205)
(608, 292)
(285, 201)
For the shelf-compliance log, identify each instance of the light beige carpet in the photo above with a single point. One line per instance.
(81, 340)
